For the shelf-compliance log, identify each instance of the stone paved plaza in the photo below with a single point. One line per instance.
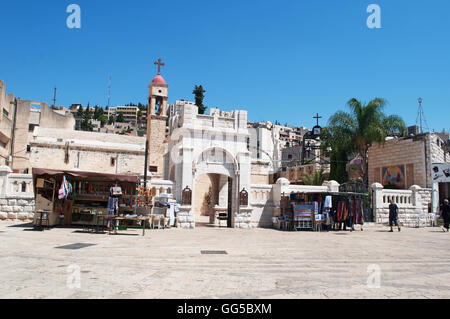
(260, 263)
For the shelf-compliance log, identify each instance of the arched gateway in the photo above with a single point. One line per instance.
(208, 155)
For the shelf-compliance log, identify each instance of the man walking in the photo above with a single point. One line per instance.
(445, 213)
(393, 215)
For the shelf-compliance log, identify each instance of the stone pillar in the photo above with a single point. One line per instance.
(416, 198)
(223, 191)
(186, 214)
(333, 186)
(377, 198)
(435, 198)
(4, 172)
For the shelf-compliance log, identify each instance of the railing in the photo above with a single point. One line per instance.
(400, 197)
(19, 186)
(161, 186)
(413, 205)
(306, 189)
(261, 194)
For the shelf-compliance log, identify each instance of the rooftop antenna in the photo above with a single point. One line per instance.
(109, 90)
(421, 121)
(54, 97)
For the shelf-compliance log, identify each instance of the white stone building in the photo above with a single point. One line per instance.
(87, 151)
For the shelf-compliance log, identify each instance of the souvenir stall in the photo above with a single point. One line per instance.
(82, 198)
(322, 211)
(161, 208)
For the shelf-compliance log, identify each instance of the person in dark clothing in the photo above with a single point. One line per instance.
(445, 213)
(393, 215)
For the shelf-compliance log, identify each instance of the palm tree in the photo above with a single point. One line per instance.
(316, 179)
(364, 125)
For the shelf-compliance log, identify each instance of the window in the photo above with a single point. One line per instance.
(31, 127)
(113, 161)
(28, 148)
(2, 144)
(5, 112)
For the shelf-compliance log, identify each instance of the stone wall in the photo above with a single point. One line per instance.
(413, 205)
(243, 219)
(186, 218)
(260, 172)
(17, 209)
(87, 151)
(16, 195)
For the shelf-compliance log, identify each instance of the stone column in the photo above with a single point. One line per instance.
(377, 199)
(4, 172)
(223, 191)
(333, 186)
(416, 198)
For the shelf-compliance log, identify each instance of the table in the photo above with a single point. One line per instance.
(143, 220)
(41, 217)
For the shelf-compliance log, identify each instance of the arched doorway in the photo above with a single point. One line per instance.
(214, 188)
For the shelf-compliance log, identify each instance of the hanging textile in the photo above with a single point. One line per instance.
(315, 207)
(64, 189)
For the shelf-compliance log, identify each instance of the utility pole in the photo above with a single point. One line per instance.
(109, 90)
(54, 97)
(146, 163)
(421, 121)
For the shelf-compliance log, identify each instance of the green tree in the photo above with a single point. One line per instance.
(357, 130)
(316, 179)
(80, 111)
(199, 96)
(120, 118)
(338, 166)
(98, 112)
(86, 124)
(103, 119)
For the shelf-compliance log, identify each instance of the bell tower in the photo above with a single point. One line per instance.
(158, 93)
(156, 124)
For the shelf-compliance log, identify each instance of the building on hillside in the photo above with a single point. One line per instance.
(6, 124)
(290, 135)
(21, 121)
(130, 113)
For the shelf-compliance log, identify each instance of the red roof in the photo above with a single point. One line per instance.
(159, 79)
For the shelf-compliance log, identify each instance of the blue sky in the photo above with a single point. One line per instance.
(280, 60)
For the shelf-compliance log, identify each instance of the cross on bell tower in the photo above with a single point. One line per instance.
(317, 117)
(159, 64)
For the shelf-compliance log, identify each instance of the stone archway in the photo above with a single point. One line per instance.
(213, 189)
